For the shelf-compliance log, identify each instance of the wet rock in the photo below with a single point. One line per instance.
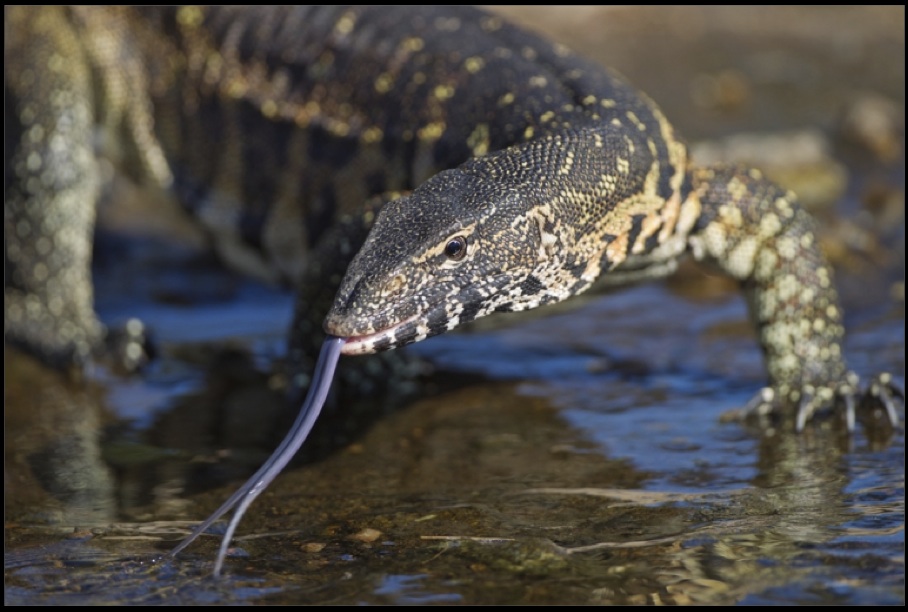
(874, 123)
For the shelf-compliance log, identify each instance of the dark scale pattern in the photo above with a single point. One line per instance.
(287, 127)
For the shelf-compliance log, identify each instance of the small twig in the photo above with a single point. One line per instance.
(454, 538)
(616, 545)
(636, 496)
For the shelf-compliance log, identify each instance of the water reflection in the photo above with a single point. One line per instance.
(54, 472)
(489, 493)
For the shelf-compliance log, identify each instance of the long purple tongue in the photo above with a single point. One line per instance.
(252, 488)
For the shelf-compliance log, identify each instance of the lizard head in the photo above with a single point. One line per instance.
(464, 244)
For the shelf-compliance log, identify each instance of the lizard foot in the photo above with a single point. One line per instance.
(882, 392)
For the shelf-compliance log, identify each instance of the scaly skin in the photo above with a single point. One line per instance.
(505, 233)
(533, 173)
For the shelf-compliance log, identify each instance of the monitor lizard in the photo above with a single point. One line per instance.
(525, 173)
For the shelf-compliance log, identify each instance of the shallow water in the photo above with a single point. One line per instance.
(575, 456)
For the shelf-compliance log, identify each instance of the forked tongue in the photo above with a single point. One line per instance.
(252, 488)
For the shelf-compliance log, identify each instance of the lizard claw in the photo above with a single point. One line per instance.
(813, 399)
(806, 408)
(761, 406)
(882, 391)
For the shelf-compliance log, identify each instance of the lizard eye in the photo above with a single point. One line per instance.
(456, 249)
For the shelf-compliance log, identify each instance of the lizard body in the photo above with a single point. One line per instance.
(533, 172)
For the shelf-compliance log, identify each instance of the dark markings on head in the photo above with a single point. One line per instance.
(531, 286)
(383, 345)
(406, 333)
(471, 308)
(636, 228)
(575, 268)
(437, 321)
(651, 242)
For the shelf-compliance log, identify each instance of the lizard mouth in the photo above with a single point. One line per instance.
(406, 321)
(442, 316)
(405, 332)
